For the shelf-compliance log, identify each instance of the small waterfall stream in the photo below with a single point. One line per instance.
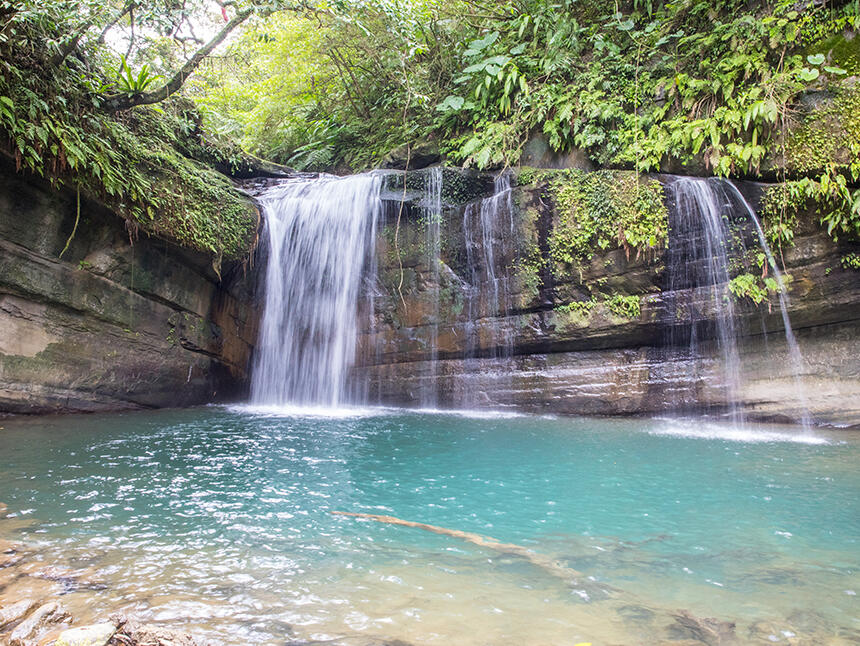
(711, 221)
(489, 230)
(699, 258)
(321, 236)
(431, 207)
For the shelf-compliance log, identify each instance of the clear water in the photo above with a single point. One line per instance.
(218, 520)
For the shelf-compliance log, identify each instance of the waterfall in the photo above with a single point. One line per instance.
(431, 206)
(699, 257)
(794, 353)
(490, 239)
(321, 237)
(710, 224)
(489, 232)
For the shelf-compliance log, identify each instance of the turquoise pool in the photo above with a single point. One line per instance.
(218, 520)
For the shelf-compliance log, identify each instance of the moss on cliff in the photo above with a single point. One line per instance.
(601, 210)
(828, 135)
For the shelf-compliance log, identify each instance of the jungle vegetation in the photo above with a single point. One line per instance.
(128, 99)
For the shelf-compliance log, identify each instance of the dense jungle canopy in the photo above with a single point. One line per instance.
(128, 99)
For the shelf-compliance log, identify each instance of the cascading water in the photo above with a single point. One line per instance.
(492, 234)
(432, 208)
(489, 232)
(710, 219)
(321, 238)
(794, 353)
(698, 268)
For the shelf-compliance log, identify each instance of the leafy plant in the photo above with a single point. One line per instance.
(624, 306)
(131, 84)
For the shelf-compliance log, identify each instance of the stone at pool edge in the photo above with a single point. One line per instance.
(16, 612)
(42, 618)
(94, 635)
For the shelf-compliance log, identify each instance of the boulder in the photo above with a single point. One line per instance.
(129, 631)
(537, 153)
(94, 635)
(418, 155)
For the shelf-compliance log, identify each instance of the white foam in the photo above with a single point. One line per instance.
(294, 410)
(475, 413)
(287, 410)
(712, 431)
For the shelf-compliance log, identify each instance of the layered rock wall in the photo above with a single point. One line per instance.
(598, 335)
(116, 322)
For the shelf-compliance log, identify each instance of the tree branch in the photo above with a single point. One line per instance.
(122, 101)
(113, 21)
(69, 46)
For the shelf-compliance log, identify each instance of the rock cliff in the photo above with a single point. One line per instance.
(117, 322)
(514, 323)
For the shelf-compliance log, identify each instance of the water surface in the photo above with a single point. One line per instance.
(218, 520)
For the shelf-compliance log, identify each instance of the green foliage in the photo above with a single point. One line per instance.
(578, 307)
(779, 208)
(144, 163)
(850, 261)
(829, 197)
(602, 210)
(825, 148)
(674, 79)
(341, 87)
(131, 84)
(618, 305)
(758, 289)
(624, 306)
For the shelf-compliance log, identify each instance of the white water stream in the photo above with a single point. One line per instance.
(705, 241)
(321, 236)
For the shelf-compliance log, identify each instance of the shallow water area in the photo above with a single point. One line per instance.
(218, 520)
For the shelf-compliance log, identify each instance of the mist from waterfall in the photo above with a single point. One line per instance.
(320, 235)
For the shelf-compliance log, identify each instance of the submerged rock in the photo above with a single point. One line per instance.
(10, 615)
(70, 579)
(703, 629)
(95, 635)
(9, 554)
(132, 633)
(41, 619)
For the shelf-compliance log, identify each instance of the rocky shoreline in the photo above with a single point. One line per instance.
(27, 623)
(32, 615)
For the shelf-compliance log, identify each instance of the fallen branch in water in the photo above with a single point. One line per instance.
(550, 565)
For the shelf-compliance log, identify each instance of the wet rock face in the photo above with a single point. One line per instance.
(511, 328)
(113, 324)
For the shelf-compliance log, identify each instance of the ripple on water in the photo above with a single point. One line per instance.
(218, 521)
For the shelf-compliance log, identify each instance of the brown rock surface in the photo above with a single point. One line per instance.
(38, 621)
(114, 324)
